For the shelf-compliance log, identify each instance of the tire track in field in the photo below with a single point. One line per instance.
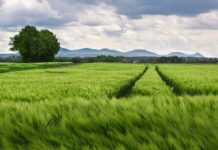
(176, 90)
(151, 84)
(126, 90)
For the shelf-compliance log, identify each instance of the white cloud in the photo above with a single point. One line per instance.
(204, 21)
(100, 26)
(97, 15)
(22, 12)
(4, 40)
(162, 34)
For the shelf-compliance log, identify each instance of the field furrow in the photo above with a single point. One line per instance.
(151, 84)
(88, 106)
(126, 90)
(86, 80)
(191, 79)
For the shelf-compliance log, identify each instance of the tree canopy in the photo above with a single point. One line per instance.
(35, 45)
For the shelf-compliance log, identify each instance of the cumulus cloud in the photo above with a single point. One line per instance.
(22, 12)
(161, 34)
(4, 40)
(57, 12)
(138, 8)
(162, 26)
(97, 15)
(204, 21)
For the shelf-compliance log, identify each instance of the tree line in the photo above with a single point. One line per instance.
(36, 45)
(122, 59)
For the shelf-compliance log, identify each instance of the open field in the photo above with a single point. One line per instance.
(12, 67)
(85, 80)
(108, 106)
(191, 79)
(151, 85)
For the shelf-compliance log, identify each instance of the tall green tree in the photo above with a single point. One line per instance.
(35, 45)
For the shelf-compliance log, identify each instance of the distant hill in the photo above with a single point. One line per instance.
(197, 55)
(140, 53)
(64, 50)
(107, 51)
(87, 52)
(8, 55)
(180, 54)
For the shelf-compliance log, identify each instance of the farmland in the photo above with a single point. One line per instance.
(151, 85)
(108, 106)
(191, 79)
(87, 81)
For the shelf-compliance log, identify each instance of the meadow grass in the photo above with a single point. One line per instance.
(11, 67)
(127, 89)
(151, 85)
(85, 80)
(191, 79)
(133, 123)
(75, 107)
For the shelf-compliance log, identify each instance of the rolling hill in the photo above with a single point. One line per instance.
(180, 54)
(88, 52)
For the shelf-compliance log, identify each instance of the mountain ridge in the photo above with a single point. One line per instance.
(181, 54)
(89, 52)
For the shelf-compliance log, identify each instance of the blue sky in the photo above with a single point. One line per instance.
(162, 26)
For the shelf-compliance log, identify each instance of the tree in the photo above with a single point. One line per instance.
(35, 45)
(77, 60)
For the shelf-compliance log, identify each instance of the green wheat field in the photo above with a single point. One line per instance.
(108, 106)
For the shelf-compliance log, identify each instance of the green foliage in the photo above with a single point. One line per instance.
(191, 79)
(34, 45)
(153, 60)
(126, 89)
(64, 106)
(134, 123)
(151, 85)
(12, 67)
(85, 80)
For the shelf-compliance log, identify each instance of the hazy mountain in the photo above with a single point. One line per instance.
(8, 55)
(180, 54)
(106, 51)
(197, 55)
(87, 52)
(140, 53)
(64, 50)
